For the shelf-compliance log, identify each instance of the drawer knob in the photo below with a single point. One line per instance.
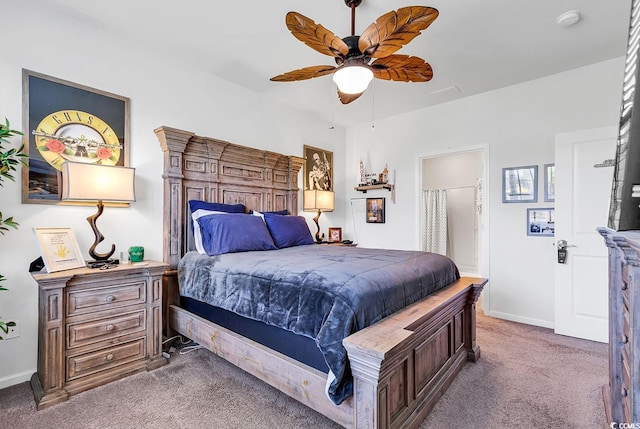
(110, 327)
(109, 357)
(109, 298)
(625, 339)
(624, 392)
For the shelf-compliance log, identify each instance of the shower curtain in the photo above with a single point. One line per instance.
(434, 232)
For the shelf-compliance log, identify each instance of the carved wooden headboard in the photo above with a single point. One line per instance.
(203, 168)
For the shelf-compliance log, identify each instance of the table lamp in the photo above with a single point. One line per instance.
(323, 201)
(93, 182)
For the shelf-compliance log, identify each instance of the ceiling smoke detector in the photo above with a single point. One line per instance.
(568, 18)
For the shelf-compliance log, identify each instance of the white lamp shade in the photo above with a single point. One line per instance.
(352, 79)
(319, 200)
(93, 182)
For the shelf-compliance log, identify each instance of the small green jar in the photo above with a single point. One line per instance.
(136, 253)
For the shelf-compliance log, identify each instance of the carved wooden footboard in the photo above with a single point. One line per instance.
(401, 365)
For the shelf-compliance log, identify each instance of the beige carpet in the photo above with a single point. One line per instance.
(527, 377)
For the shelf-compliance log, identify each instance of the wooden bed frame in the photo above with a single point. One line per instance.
(401, 365)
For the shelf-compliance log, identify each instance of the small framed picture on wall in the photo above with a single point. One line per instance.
(375, 210)
(520, 184)
(541, 222)
(549, 182)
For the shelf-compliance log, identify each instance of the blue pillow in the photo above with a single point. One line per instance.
(288, 231)
(218, 207)
(195, 205)
(234, 232)
(195, 227)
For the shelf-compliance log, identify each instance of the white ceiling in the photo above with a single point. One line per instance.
(473, 46)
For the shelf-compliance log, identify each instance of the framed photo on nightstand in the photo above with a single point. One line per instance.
(335, 235)
(59, 249)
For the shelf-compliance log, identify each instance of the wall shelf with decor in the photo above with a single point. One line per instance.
(387, 186)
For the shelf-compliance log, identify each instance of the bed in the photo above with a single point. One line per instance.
(397, 367)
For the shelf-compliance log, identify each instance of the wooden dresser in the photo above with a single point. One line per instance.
(622, 394)
(96, 326)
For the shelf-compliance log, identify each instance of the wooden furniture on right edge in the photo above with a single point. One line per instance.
(622, 394)
(401, 365)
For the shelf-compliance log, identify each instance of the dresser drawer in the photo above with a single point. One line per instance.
(104, 359)
(103, 298)
(92, 331)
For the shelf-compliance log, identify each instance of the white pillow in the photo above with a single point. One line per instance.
(255, 213)
(197, 234)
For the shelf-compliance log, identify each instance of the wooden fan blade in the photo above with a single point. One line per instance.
(304, 73)
(395, 29)
(402, 68)
(348, 98)
(315, 35)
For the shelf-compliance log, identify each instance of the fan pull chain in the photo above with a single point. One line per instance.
(373, 105)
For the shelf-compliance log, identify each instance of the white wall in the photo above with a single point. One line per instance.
(162, 92)
(518, 125)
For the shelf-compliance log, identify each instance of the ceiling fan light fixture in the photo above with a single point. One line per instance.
(353, 79)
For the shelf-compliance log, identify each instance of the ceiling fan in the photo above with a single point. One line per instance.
(361, 58)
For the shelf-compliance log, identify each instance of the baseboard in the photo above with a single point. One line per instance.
(16, 379)
(520, 319)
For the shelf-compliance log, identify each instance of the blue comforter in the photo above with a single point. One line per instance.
(323, 292)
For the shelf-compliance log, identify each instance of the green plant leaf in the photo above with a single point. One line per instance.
(9, 160)
(8, 222)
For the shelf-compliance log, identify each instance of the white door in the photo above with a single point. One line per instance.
(583, 178)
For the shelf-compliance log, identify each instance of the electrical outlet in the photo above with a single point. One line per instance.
(14, 331)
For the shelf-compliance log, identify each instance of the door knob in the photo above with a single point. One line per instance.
(562, 244)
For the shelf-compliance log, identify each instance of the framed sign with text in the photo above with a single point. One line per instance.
(59, 249)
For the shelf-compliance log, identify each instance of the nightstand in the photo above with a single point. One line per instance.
(96, 326)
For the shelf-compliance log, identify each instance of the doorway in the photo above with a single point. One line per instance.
(462, 175)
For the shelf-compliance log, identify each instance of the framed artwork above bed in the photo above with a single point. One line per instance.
(318, 169)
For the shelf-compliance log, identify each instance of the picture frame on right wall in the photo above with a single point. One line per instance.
(549, 182)
(520, 184)
(541, 222)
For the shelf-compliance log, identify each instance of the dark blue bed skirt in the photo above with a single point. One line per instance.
(298, 347)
